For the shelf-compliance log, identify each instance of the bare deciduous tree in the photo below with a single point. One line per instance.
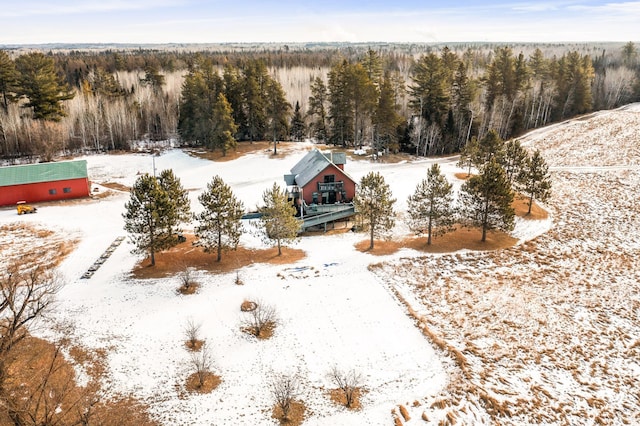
(192, 333)
(348, 382)
(187, 280)
(260, 320)
(284, 390)
(25, 295)
(202, 364)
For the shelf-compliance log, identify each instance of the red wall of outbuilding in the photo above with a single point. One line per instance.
(38, 192)
(312, 186)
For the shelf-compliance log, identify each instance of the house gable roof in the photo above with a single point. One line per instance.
(42, 172)
(310, 166)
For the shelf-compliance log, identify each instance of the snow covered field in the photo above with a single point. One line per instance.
(548, 330)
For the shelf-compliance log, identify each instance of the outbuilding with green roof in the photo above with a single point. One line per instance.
(43, 182)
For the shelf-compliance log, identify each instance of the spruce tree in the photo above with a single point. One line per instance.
(534, 179)
(224, 128)
(486, 199)
(298, 127)
(148, 217)
(220, 224)
(431, 205)
(374, 204)
(278, 218)
(386, 118)
(40, 83)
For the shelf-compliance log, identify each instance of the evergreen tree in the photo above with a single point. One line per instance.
(514, 159)
(254, 84)
(179, 199)
(148, 217)
(363, 94)
(42, 86)
(534, 179)
(386, 118)
(374, 204)
(430, 91)
(486, 199)
(317, 102)
(224, 128)
(277, 111)
(468, 154)
(298, 129)
(152, 77)
(233, 91)
(8, 80)
(340, 104)
(220, 224)
(431, 205)
(278, 218)
(372, 64)
(491, 146)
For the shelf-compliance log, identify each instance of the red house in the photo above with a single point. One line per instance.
(319, 178)
(43, 182)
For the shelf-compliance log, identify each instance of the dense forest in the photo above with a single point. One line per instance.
(423, 99)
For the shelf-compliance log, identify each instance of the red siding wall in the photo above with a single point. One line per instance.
(34, 192)
(311, 187)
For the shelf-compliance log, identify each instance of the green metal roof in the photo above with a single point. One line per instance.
(42, 172)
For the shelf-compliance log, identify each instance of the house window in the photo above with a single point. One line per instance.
(52, 192)
(329, 178)
(66, 190)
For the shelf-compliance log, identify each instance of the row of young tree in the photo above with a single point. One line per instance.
(433, 104)
(158, 206)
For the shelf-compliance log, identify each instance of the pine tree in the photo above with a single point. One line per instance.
(431, 206)
(254, 84)
(486, 199)
(317, 102)
(514, 159)
(179, 199)
(277, 110)
(224, 128)
(534, 179)
(278, 218)
(430, 90)
(386, 118)
(220, 224)
(468, 154)
(8, 80)
(147, 217)
(363, 95)
(340, 104)
(297, 124)
(490, 146)
(41, 84)
(374, 204)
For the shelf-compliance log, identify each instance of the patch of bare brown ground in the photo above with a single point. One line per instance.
(296, 414)
(380, 247)
(211, 381)
(521, 206)
(463, 175)
(242, 149)
(37, 370)
(338, 397)
(459, 239)
(116, 186)
(194, 345)
(183, 255)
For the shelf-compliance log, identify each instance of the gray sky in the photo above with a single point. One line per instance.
(216, 21)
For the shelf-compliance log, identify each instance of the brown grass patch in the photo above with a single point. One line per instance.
(211, 381)
(405, 413)
(296, 414)
(192, 289)
(459, 239)
(194, 345)
(116, 186)
(248, 306)
(34, 245)
(183, 255)
(63, 399)
(338, 397)
(521, 206)
(265, 333)
(463, 175)
(380, 247)
(243, 149)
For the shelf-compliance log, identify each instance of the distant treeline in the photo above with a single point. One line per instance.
(426, 99)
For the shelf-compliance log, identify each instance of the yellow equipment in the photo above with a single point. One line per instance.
(23, 207)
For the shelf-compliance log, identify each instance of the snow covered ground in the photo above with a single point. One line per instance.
(549, 329)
